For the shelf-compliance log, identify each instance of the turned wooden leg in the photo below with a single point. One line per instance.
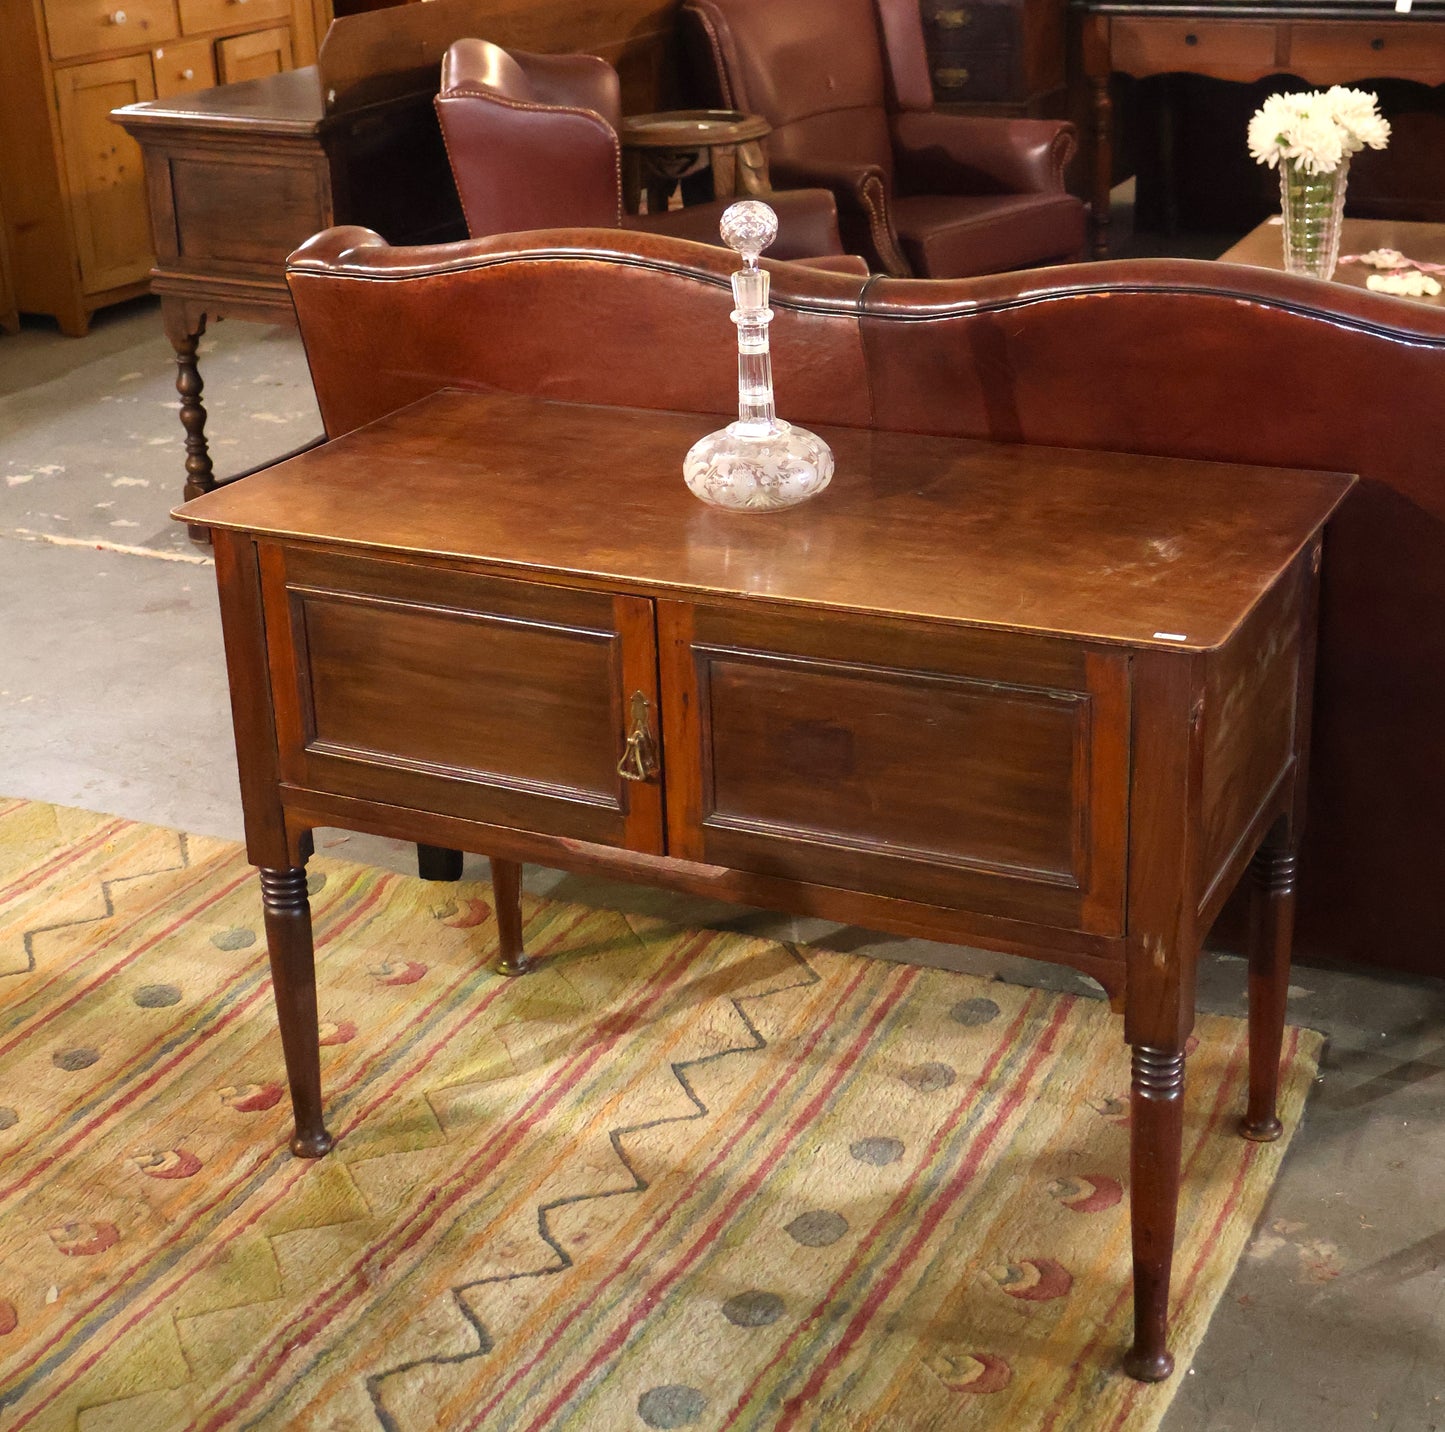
(1100, 213)
(507, 901)
(1156, 1133)
(436, 862)
(293, 981)
(185, 333)
(1271, 934)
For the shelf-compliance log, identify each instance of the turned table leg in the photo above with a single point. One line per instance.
(507, 901)
(1271, 934)
(185, 334)
(436, 862)
(1101, 215)
(1156, 1132)
(293, 981)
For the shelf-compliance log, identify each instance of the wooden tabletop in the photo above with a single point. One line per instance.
(1130, 550)
(691, 129)
(290, 102)
(1263, 247)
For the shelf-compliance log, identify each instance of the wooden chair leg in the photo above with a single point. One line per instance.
(293, 982)
(1156, 1135)
(507, 902)
(1271, 935)
(436, 862)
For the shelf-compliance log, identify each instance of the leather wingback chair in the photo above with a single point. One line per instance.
(533, 144)
(846, 87)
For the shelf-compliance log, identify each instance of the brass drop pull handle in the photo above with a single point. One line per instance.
(639, 756)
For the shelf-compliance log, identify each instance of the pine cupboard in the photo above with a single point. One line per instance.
(72, 186)
(9, 316)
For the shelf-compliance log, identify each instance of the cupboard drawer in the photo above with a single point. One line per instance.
(198, 16)
(1341, 52)
(488, 699)
(1224, 48)
(973, 24)
(98, 27)
(254, 56)
(183, 67)
(961, 769)
(977, 75)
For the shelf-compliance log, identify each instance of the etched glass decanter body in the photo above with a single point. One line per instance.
(759, 463)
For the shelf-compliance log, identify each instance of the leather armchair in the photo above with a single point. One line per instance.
(845, 85)
(533, 144)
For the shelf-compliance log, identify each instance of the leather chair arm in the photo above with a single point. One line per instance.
(807, 224)
(563, 166)
(861, 192)
(963, 153)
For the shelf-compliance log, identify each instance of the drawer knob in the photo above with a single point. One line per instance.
(951, 19)
(1191, 39)
(951, 78)
(1377, 43)
(639, 755)
(188, 73)
(117, 17)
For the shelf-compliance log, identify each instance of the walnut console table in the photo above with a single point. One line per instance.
(1038, 700)
(1323, 42)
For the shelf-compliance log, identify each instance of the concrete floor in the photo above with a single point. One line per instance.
(113, 697)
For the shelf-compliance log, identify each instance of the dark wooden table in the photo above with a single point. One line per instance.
(659, 150)
(240, 175)
(1046, 701)
(1325, 42)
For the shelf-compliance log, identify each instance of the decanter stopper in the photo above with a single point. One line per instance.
(759, 462)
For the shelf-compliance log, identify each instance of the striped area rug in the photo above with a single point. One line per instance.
(674, 1179)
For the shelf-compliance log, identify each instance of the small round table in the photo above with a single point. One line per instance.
(659, 150)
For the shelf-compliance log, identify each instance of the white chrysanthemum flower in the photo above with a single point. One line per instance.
(1358, 113)
(1316, 144)
(1265, 137)
(1315, 130)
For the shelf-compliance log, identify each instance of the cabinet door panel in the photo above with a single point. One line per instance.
(950, 767)
(493, 700)
(254, 56)
(103, 164)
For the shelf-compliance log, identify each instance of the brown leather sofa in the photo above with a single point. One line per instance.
(1166, 356)
(845, 85)
(533, 144)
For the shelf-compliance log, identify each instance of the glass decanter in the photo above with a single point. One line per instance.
(758, 463)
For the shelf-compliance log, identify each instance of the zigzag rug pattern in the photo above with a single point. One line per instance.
(674, 1179)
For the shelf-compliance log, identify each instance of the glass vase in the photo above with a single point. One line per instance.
(1314, 209)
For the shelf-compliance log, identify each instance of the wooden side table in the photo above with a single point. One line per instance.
(1263, 247)
(1335, 42)
(1045, 701)
(660, 150)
